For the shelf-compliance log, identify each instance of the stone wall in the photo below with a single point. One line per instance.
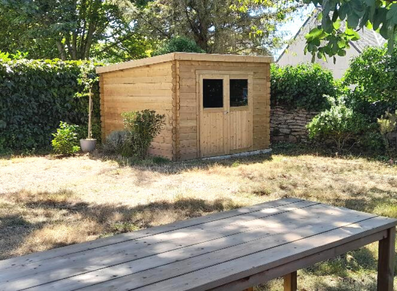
(289, 125)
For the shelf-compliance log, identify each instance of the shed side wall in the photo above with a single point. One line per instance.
(189, 114)
(148, 87)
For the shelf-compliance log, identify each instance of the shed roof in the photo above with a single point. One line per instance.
(185, 57)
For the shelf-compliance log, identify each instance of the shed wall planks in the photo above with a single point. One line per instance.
(148, 87)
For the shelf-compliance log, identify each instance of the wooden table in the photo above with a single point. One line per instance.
(230, 250)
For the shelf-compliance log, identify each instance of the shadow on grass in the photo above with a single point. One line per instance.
(48, 220)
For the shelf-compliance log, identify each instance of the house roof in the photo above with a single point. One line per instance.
(185, 57)
(368, 37)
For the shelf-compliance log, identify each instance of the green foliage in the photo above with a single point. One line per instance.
(217, 26)
(331, 38)
(302, 86)
(178, 44)
(65, 139)
(339, 124)
(95, 130)
(35, 95)
(142, 127)
(69, 29)
(6, 57)
(372, 141)
(388, 124)
(373, 75)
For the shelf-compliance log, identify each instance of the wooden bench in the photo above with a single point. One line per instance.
(231, 250)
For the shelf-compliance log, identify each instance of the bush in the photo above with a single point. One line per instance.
(115, 142)
(372, 142)
(65, 139)
(35, 95)
(387, 125)
(339, 124)
(302, 86)
(373, 74)
(178, 44)
(142, 127)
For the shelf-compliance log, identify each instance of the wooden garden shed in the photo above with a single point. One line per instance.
(214, 104)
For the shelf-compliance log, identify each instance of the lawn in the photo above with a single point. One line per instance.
(47, 202)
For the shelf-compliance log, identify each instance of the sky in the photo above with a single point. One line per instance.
(291, 28)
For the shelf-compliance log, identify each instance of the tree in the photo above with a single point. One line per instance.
(331, 38)
(13, 36)
(178, 44)
(217, 26)
(70, 29)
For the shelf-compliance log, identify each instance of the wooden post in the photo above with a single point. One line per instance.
(386, 261)
(291, 282)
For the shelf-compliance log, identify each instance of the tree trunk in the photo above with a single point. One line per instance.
(61, 50)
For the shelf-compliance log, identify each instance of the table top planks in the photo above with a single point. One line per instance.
(197, 254)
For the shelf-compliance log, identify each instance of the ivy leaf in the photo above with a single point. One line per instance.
(314, 33)
(352, 34)
(327, 24)
(379, 17)
(337, 24)
(391, 15)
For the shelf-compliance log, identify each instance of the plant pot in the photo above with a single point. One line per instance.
(88, 145)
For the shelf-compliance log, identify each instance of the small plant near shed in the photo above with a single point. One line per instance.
(65, 139)
(142, 127)
(115, 142)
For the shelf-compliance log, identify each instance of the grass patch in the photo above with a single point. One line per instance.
(47, 202)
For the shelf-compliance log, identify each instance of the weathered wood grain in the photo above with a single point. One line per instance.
(196, 237)
(386, 261)
(99, 243)
(226, 251)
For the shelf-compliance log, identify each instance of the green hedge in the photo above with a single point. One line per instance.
(372, 76)
(303, 86)
(35, 95)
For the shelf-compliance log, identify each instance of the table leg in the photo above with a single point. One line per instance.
(291, 282)
(386, 261)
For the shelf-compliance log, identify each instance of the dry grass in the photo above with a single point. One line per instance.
(47, 202)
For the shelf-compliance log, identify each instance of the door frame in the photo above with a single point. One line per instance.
(226, 76)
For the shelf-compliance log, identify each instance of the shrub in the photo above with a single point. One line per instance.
(388, 124)
(115, 142)
(339, 124)
(373, 74)
(302, 86)
(142, 127)
(178, 44)
(35, 95)
(65, 139)
(372, 142)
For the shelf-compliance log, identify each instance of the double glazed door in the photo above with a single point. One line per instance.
(225, 114)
